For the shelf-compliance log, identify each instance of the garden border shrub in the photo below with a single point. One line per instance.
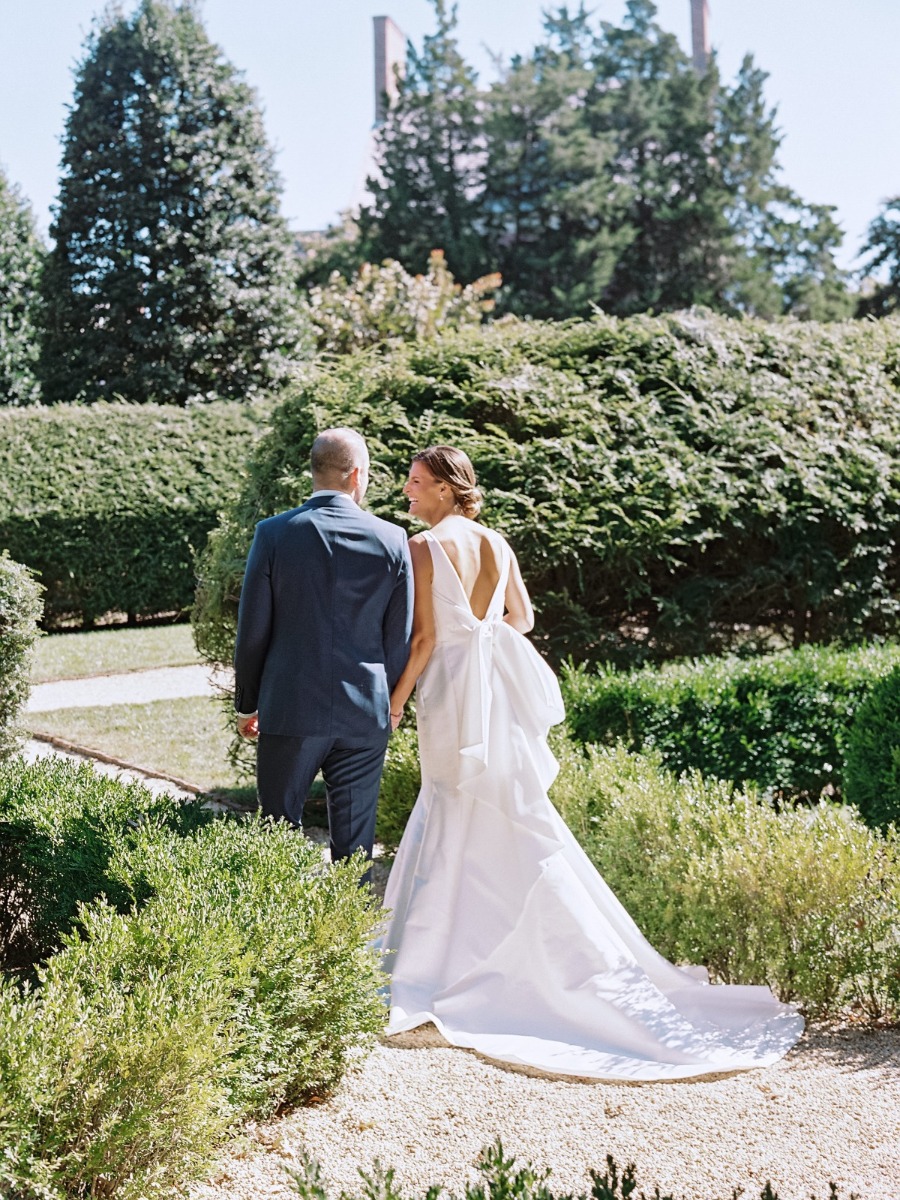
(110, 503)
(20, 611)
(240, 979)
(782, 721)
(872, 770)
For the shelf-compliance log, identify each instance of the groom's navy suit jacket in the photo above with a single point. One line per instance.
(324, 621)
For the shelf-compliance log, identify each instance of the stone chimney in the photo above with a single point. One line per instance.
(700, 34)
(390, 57)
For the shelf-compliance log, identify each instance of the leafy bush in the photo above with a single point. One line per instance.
(400, 785)
(384, 301)
(502, 1180)
(20, 611)
(61, 825)
(240, 980)
(804, 900)
(781, 721)
(110, 503)
(673, 486)
(872, 771)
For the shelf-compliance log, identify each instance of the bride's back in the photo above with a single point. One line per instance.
(475, 554)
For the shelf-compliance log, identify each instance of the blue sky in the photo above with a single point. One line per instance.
(832, 66)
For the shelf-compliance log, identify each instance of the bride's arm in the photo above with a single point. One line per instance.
(422, 631)
(519, 612)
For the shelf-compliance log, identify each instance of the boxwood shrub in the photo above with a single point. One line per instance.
(804, 900)
(779, 720)
(234, 977)
(673, 486)
(20, 611)
(61, 825)
(109, 503)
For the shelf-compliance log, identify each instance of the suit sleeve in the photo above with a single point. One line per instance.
(397, 625)
(254, 629)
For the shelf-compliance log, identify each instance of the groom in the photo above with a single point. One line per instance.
(323, 635)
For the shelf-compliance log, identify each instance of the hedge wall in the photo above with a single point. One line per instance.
(673, 486)
(109, 503)
(781, 721)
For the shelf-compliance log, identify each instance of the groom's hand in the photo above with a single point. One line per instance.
(248, 727)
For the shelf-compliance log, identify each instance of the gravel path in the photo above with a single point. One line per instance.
(829, 1111)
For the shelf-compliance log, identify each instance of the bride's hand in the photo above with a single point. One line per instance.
(396, 718)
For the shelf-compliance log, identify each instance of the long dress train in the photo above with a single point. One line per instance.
(501, 931)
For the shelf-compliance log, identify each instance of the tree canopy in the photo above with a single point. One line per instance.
(602, 171)
(21, 258)
(170, 278)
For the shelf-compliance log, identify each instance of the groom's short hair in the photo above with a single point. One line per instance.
(335, 453)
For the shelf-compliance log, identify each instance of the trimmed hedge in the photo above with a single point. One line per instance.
(110, 503)
(239, 979)
(20, 611)
(782, 721)
(673, 486)
(872, 770)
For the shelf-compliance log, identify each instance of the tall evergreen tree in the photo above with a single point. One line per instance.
(648, 97)
(548, 202)
(783, 259)
(170, 278)
(426, 194)
(882, 252)
(21, 257)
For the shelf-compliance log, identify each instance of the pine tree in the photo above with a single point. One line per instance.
(170, 278)
(426, 195)
(21, 258)
(882, 246)
(548, 203)
(783, 256)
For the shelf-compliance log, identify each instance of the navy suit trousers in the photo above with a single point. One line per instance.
(351, 768)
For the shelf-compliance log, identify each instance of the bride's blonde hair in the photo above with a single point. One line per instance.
(454, 467)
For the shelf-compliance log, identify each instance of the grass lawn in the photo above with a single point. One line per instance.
(185, 738)
(103, 651)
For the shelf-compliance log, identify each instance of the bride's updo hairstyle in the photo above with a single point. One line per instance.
(454, 467)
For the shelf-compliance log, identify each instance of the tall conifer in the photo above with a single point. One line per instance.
(21, 256)
(170, 278)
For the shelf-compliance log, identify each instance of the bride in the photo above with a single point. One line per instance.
(500, 930)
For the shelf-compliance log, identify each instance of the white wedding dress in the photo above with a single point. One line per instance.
(500, 930)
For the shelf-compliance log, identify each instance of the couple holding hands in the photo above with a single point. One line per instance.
(498, 929)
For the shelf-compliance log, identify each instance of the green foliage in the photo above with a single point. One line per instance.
(672, 486)
(600, 170)
(20, 611)
(238, 981)
(882, 270)
(400, 785)
(502, 1180)
(60, 827)
(428, 162)
(171, 275)
(109, 504)
(383, 302)
(804, 901)
(872, 769)
(782, 721)
(21, 258)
